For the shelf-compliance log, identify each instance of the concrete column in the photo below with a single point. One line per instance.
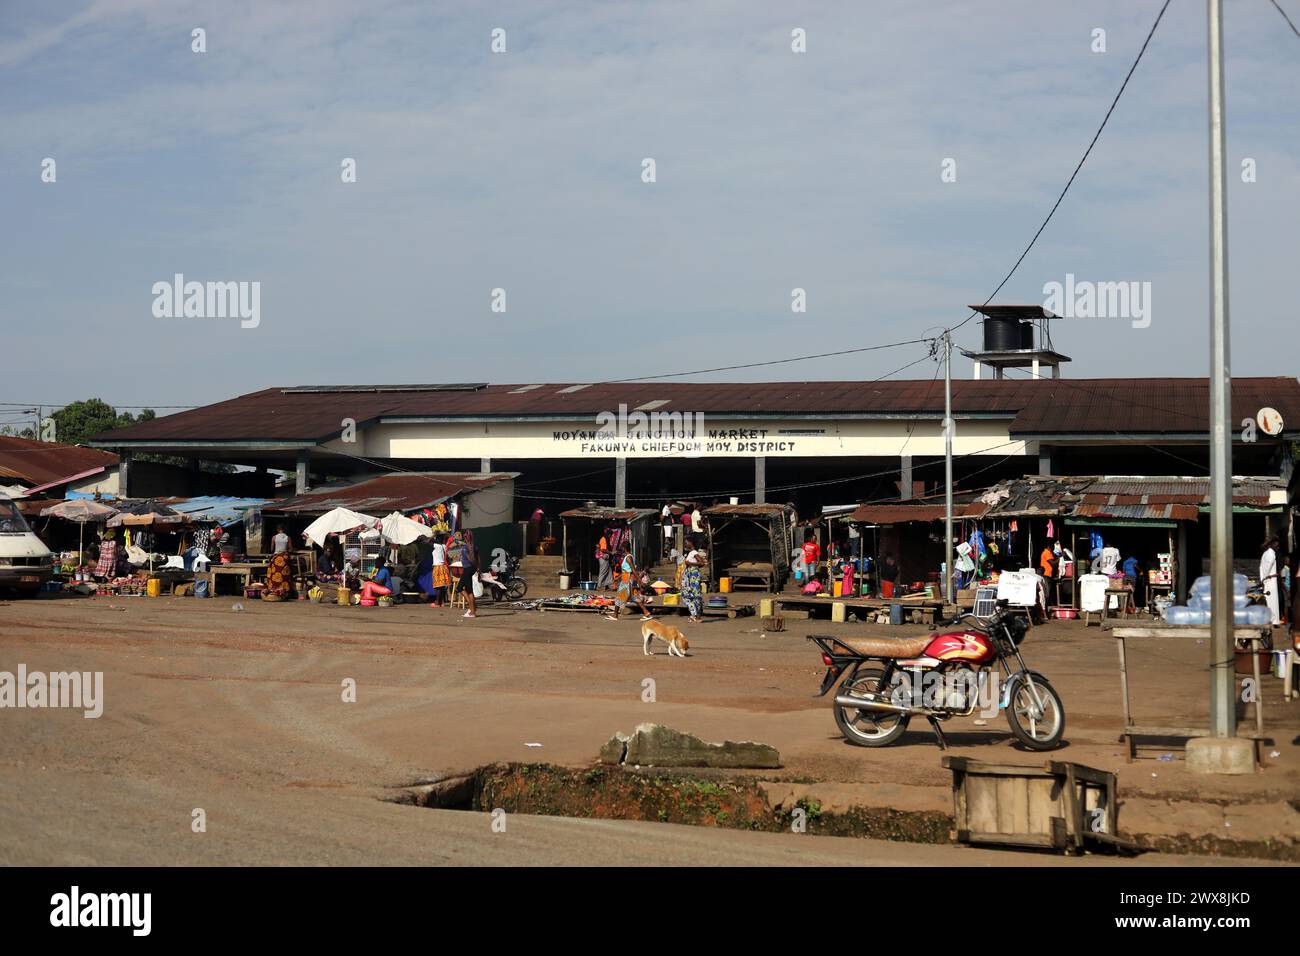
(1180, 560)
(300, 486)
(1044, 459)
(905, 487)
(620, 482)
(1035, 373)
(978, 367)
(760, 480)
(124, 474)
(485, 465)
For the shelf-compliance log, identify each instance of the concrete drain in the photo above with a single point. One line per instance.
(619, 793)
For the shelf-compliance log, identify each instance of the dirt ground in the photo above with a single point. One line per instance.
(241, 714)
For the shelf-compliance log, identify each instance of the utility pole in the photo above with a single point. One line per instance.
(948, 565)
(1223, 752)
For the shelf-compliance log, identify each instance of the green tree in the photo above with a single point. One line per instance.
(76, 422)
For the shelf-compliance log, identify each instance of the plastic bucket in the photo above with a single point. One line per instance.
(724, 585)
(154, 587)
(564, 582)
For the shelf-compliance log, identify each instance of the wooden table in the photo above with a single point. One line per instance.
(1253, 636)
(244, 570)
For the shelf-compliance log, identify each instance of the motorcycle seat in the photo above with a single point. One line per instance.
(890, 647)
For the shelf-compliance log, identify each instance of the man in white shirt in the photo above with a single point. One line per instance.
(1108, 563)
(696, 526)
(1268, 579)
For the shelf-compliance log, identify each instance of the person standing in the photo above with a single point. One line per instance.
(1047, 562)
(697, 520)
(888, 574)
(691, 581)
(604, 579)
(469, 573)
(1268, 579)
(812, 553)
(441, 574)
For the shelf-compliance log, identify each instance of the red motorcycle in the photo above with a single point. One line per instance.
(890, 680)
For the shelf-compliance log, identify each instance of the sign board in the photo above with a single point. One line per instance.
(1019, 588)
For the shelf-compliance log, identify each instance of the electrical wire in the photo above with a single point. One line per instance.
(1070, 182)
(1285, 17)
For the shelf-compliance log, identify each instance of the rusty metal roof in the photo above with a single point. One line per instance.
(1040, 406)
(601, 513)
(750, 510)
(1137, 512)
(43, 462)
(905, 512)
(407, 491)
(1116, 490)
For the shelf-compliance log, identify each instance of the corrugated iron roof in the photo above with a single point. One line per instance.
(407, 491)
(751, 510)
(43, 462)
(601, 513)
(905, 512)
(1040, 406)
(1139, 512)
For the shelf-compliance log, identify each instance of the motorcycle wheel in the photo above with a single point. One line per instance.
(516, 589)
(864, 728)
(1038, 724)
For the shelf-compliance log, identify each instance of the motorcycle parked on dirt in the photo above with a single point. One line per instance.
(502, 582)
(890, 680)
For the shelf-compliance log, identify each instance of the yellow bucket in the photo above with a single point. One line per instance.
(724, 585)
(670, 600)
(839, 588)
(154, 587)
(345, 596)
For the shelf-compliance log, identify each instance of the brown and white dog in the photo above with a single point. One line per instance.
(672, 636)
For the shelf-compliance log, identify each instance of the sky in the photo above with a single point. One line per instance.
(523, 171)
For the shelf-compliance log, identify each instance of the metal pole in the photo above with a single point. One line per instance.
(1223, 713)
(947, 467)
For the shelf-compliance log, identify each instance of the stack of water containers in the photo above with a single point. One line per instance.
(1197, 609)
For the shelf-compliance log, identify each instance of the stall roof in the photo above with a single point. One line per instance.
(1136, 512)
(406, 491)
(904, 512)
(1038, 495)
(601, 513)
(750, 510)
(215, 508)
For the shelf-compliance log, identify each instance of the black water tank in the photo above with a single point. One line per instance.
(1026, 335)
(1001, 335)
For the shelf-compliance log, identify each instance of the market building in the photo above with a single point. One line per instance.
(807, 443)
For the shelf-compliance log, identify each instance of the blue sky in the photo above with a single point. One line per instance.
(522, 171)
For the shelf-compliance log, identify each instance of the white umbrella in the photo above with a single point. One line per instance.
(399, 529)
(80, 510)
(338, 521)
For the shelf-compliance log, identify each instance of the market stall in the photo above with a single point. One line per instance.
(585, 526)
(749, 545)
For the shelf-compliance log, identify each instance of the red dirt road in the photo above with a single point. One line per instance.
(241, 714)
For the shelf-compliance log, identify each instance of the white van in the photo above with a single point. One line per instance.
(25, 562)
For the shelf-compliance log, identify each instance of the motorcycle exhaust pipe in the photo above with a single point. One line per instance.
(878, 706)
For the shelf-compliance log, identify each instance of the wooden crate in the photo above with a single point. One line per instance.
(1065, 807)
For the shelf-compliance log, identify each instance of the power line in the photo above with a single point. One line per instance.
(1285, 17)
(784, 361)
(1056, 205)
